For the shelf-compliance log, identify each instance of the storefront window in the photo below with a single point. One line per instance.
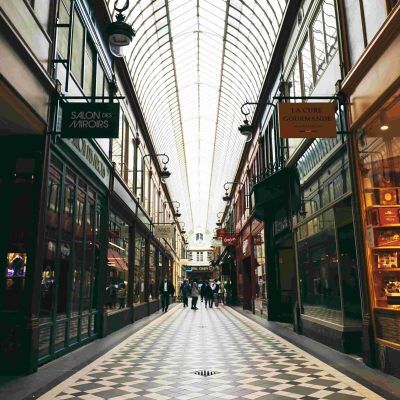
(117, 276)
(259, 250)
(139, 275)
(152, 273)
(318, 269)
(68, 303)
(379, 166)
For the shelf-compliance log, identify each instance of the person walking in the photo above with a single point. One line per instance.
(208, 296)
(215, 293)
(195, 295)
(202, 291)
(212, 291)
(185, 291)
(166, 289)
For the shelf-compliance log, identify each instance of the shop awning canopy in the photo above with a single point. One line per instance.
(278, 191)
(116, 261)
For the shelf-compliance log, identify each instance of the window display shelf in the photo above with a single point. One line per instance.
(382, 206)
(385, 247)
(387, 269)
(367, 189)
(386, 226)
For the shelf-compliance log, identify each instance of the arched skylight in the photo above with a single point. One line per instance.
(193, 64)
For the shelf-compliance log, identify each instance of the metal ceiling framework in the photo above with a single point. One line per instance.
(193, 63)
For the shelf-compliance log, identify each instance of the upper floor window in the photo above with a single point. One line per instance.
(324, 37)
(85, 67)
(199, 256)
(199, 236)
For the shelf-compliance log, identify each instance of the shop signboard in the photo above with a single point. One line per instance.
(90, 120)
(89, 155)
(229, 240)
(164, 231)
(307, 120)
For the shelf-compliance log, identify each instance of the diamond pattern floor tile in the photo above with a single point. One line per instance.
(159, 362)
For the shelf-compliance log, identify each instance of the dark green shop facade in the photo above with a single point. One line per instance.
(80, 260)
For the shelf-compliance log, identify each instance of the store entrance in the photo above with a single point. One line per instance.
(247, 284)
(20, 176)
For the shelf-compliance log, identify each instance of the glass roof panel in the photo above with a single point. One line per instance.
(193, 64)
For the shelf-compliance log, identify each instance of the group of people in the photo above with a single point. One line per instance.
(210, 293)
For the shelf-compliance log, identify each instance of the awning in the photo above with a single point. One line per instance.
(116, 261)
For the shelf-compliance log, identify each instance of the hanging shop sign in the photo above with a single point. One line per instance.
(90, 120)
(164, 231)
(229, 240)
(307, 120)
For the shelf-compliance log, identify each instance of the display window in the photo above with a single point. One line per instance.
(379, 173)
(139, 274)
(71, 261)
(116, 283)
(259, 254)
(153, 273)
(327, 265)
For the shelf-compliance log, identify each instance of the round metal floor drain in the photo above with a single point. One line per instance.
(205, 372)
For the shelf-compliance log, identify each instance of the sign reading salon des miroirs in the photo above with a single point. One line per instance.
(90, 120)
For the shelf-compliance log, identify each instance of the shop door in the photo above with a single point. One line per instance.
(349, 276)
(247, 286)
(287, 282)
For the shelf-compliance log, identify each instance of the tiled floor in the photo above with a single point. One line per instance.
(160, 361)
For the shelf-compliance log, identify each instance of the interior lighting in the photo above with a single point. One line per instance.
(120, 34)
(384, 126)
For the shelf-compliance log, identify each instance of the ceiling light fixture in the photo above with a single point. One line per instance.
(384, 126)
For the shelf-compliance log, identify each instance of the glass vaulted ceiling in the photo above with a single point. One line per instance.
(193, 64)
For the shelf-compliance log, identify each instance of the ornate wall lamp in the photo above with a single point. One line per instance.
(219, 223)
(164, 174)
(120, 34)
(177, 214)
(227, 197)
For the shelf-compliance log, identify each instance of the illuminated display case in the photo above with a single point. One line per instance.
(379, 166)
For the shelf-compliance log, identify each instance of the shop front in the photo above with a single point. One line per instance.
(73, 248)
(378, 149)
(327, 276)
(277, 278)
(374, 114)
(117, 282)
(22, 161)
(260, 304)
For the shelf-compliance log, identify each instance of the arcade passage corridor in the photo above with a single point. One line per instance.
(160, 362)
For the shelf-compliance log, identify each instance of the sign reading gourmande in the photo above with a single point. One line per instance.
(307, 120)
(166, 231)
(90, 120)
